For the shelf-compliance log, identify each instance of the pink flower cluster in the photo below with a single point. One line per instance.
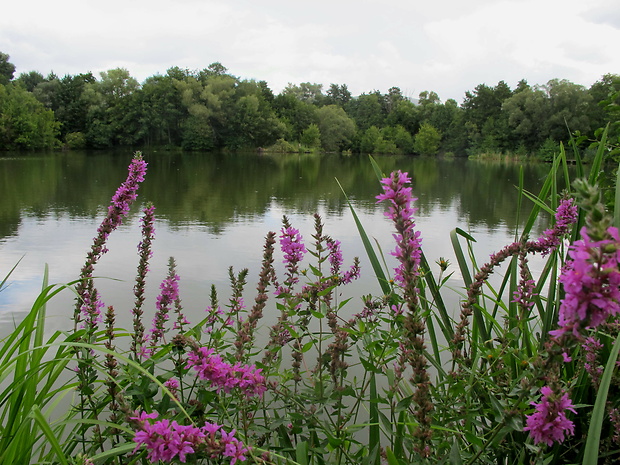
(565, 217)
(293, 248)
(123, 197)
(169, 292)
(225, 377)
(591, 280)
(524, 293)
(335, 260)
(292, 245)
(166, 440)
(549, 423)
(408, 242)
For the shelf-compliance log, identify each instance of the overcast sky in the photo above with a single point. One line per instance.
(448, 46)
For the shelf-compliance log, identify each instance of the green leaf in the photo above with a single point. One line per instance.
(617, 200)
(374, 432)
(391, 458)
(372, 256)
(301, 453)
(455, 454)
(460, 255)
(590, 455)
(49, 434)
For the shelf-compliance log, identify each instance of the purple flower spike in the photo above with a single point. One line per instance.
(549, 424)
(408, 241)
(225, 377)
(591, 281)
(565, 217)
(292, 246)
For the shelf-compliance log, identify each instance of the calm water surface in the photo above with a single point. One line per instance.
(213, 212)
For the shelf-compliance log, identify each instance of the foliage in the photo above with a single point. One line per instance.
(211, 109)
(282, 146)
(7, 69)
(427, 140)
(24, 121)
(311, 137)
(548, 151)
(336, 128)
(521, 375)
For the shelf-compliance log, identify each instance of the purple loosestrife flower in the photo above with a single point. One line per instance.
(549, 424)
(167, 441)
(291, 242)
(245, 336)
(565, 217)
(335, 255)
(335, 261)
(591, 281)
(168, 295)
(409, 253)
(592, 348)
(293, 248)
(118, 209)
(525, 290)
(173, 386)
(408, 241)
(91, 309)
(225, 377)
(145, 253)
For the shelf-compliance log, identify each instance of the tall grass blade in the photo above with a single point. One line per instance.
(599, 158)
(437, 298)
(374, 429)
(124, 450)
(380, 174)
(49, 434)
(590, 455)
(617, 200)
(460, 255)
(2, 284)
(372, 256)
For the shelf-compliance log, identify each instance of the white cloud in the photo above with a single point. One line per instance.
(448, 46)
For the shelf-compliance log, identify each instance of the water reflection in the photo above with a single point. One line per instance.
(213, 211)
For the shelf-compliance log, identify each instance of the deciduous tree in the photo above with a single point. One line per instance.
(427, 140)
(337, 129)
(7, 69)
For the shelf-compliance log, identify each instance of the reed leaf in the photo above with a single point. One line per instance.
(372, 256)
(590, 455)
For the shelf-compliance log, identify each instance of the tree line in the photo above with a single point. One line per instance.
(211, 109)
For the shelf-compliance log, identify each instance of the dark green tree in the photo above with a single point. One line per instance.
(405, 114)
(30, 80)
(161, 111)
(483, 109)
(311, 137)
(25, 124)
(68, 102)
(367, 110)
(7, 69)
(296, 114)
(338, 95)
(569, 109)
(427, 140)
(527, 112)
(605, 104)
(253, 123)
(307, 92)
(337, 129)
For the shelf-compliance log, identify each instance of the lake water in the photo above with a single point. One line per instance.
(214, 210)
